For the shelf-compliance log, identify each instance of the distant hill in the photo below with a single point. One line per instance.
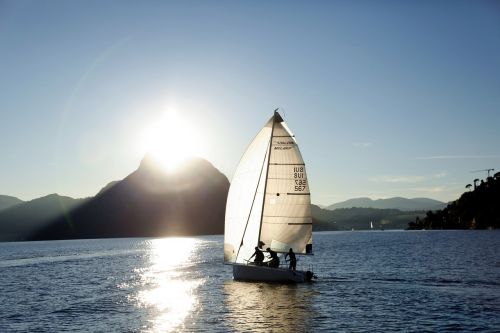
(19, 221)
(149, 202)
(404, 204)
(360, 218)
(7, 201)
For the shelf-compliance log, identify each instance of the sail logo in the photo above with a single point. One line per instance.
(283, 144)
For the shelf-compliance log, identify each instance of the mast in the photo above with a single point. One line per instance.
(267, 172)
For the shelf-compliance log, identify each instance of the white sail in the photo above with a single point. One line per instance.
(286, 221)
(282, 217)
(244, 202)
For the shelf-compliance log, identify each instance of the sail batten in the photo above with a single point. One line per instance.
(287, 216)
(287, 163)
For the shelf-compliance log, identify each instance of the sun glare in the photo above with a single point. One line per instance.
(172, 140)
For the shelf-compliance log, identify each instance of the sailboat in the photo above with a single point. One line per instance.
(269, 206)
(371, 225)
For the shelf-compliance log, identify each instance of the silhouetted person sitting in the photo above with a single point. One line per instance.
(259, 256)
(293, 260)
(275, 261)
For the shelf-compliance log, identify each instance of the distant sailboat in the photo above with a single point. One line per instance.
(371, 225)
(269, 204)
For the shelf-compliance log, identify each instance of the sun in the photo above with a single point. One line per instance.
(171, 140)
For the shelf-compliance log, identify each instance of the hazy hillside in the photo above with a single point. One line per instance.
(360, 218)
(150, 202)
(19, 221)
(7, 201)
(108, 186)
(404, 204)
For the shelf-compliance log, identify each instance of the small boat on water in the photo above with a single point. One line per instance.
(269, 206)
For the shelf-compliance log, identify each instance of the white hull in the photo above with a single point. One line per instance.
(268, 274)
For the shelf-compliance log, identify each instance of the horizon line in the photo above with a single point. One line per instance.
(443, 157)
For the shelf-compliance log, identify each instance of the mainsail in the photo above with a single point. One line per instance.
(269, 199)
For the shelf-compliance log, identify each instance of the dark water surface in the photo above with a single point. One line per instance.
(368, 282)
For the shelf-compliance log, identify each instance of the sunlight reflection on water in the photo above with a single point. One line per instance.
(168, 296)
(265, 307)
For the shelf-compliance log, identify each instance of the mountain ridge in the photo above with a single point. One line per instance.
(148, 202)
(153, 202)
(18, 221)
(400, 203)
(362, 218)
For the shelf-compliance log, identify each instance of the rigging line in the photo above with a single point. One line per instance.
(253, 201)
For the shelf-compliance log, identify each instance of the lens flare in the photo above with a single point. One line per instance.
(172, 140)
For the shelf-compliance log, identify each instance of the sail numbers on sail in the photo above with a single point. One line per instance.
(299, 178)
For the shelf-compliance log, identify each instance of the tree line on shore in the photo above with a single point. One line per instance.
(478, 208)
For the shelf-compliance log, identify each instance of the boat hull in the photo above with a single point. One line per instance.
(243, 272)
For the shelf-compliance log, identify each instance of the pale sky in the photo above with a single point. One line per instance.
(386, 98)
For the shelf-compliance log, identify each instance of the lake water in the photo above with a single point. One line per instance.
(368, 282)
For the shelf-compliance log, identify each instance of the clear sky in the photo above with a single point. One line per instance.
(386, 98)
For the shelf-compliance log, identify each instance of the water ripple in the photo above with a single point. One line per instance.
(368, 282)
